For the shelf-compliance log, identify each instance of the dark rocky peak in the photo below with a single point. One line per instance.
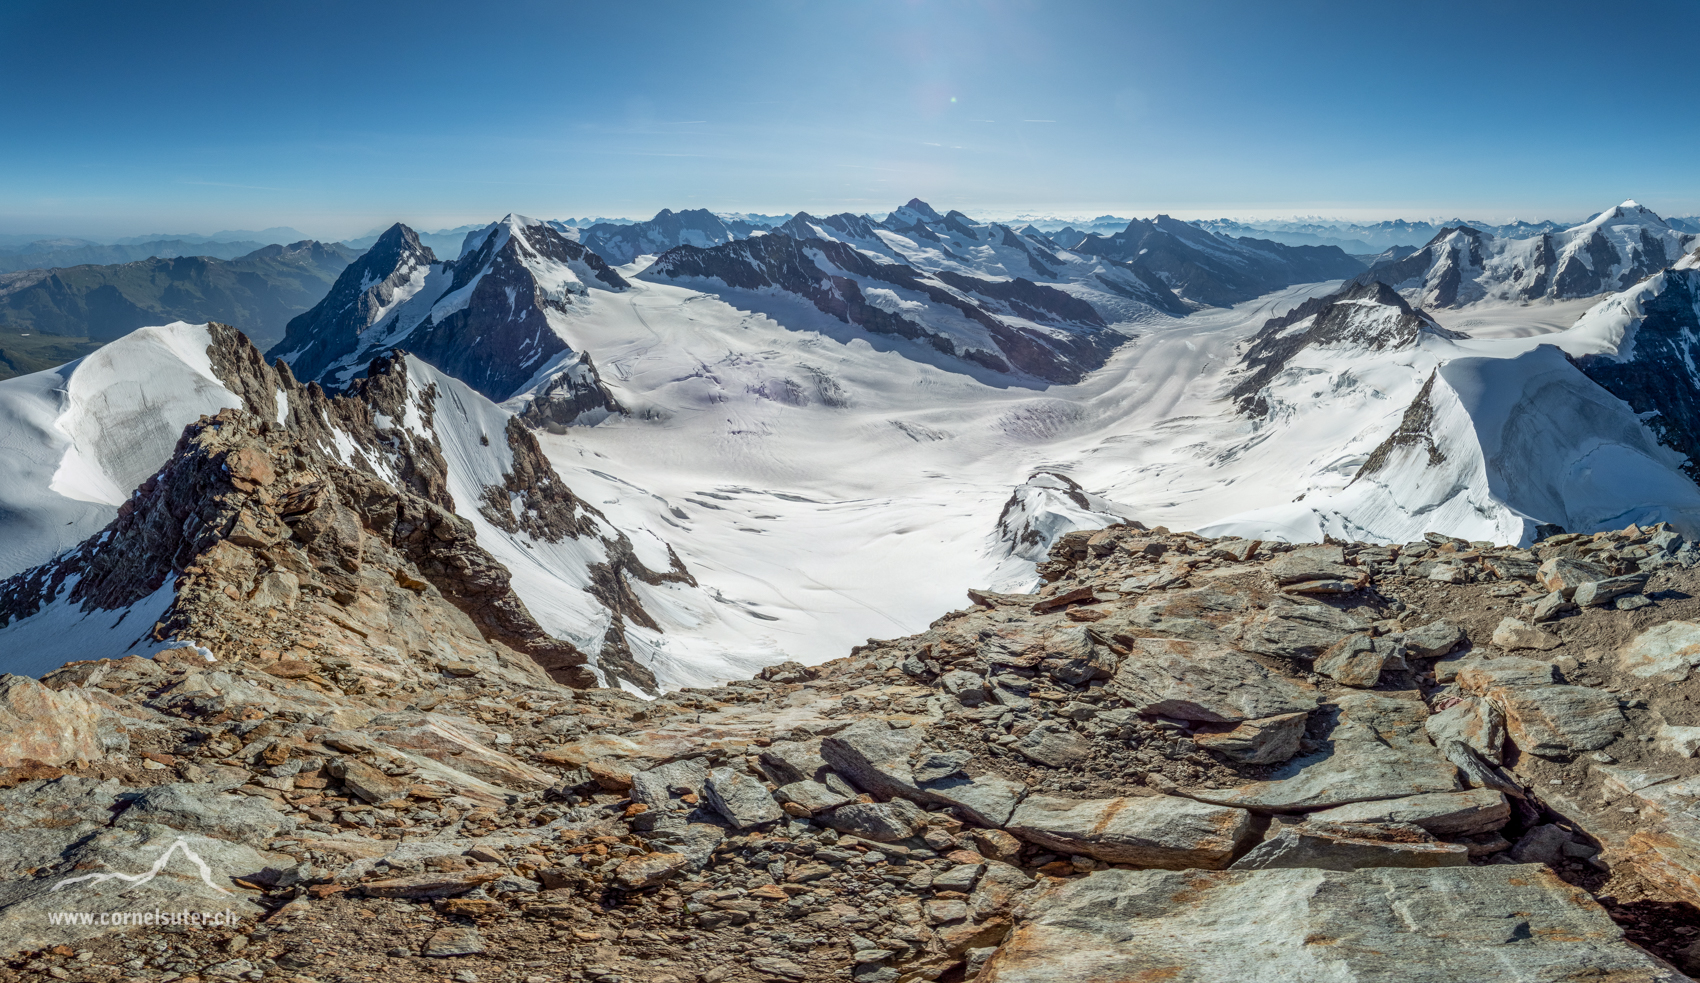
(1366, 316)
(362, 294)
(923, 209)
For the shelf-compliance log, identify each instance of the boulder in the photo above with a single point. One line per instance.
(1682, 741)
(1433, 640)
(1358, 660)
(663, 786)
(1514, 635)
(637, 873)
(793, 761)
(740, 799)
(1473, 720)
(1436, 925)
(997, 888)
(1205, 682)
(986, 800)
(1350, 846)
(882, 822)
(38, 724)
(1565, 574)
(1053, 744)
(1292, 569)
(1543, 718)
(1375, 748)
(1668, 652)
(1599, 593)
(1154, 831)
(368, 782)
(1267, 741)
(1477, 810)
(813, 797)
(874, 756)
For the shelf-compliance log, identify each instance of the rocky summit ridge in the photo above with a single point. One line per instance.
(1180, 758)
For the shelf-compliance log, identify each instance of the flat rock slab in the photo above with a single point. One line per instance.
(1441, 925)
(1297, 631)
(1201, 681)
(1164, 831)
(1668, 652)
(1376, 749)
(1478, 810)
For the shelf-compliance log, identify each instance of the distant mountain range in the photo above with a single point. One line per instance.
(48, 253)
(1609, 252)
(258, 292)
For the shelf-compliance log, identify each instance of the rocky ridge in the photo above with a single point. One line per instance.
(1172, 735)
(329, 526)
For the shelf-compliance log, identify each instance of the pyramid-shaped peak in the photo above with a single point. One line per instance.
(924, 210)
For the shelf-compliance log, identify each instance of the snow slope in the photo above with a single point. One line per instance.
(75, 440)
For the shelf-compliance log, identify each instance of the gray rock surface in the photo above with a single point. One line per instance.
(1351, 846)
(1151, 831)
(1442, 925)
(742, 800)
(1376, 749)
(1464, 813)
(1270, 740)
(1206, 682)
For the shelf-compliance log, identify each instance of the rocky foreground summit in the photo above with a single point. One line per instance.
(1180, 759)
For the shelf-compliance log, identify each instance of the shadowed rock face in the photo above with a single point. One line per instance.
(360, 296)
(502, 336)
(834, 283)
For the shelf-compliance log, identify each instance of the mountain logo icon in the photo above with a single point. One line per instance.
(151, 872)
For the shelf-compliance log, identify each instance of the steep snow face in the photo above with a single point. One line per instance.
(1489, 449)
(495, 318)
(1013, 327)
(1461, 266)
(75, 440)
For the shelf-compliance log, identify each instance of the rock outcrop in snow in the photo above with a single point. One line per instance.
(407, 491)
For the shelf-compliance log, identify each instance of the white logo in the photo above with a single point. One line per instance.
(158, 865)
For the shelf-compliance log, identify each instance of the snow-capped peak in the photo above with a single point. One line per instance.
(1631, 212)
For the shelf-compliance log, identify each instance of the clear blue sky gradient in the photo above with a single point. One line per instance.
(128, 118)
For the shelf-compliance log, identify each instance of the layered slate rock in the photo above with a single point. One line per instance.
(1376, 748)
(1205, 682)
(1152, 831)
(1423, 926)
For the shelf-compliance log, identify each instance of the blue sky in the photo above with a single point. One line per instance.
(128, 118)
